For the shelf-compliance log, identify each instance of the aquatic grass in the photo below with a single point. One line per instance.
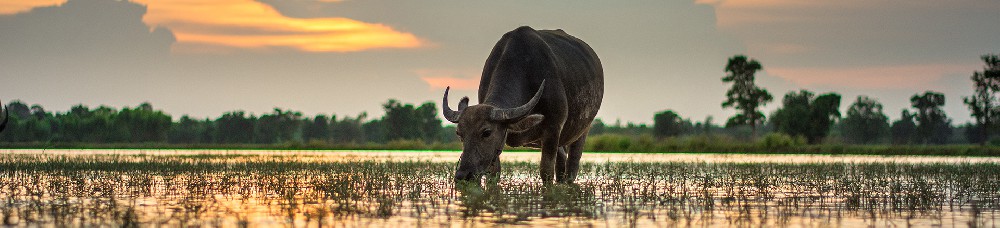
(125, 190)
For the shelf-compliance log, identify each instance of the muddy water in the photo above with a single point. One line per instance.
(406, 189)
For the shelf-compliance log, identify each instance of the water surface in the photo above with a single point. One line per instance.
(415, 188)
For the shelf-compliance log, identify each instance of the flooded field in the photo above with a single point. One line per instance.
(385, 188)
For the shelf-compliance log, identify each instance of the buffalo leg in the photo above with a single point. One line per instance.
(561, 165)
(575, 151)
(550, 147)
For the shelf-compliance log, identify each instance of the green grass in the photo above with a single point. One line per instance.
(770, 144)
(237, 190)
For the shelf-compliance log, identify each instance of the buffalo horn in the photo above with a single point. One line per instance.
(449, 114)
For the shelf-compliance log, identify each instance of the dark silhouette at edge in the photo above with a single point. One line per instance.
(6, 117)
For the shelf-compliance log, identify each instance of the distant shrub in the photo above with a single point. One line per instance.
(608, 143)
(406, 144)
(645, 143)
(708, 143)
(781, 141)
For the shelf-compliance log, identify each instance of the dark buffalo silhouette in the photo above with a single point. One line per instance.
(6, 117)
(539, 88)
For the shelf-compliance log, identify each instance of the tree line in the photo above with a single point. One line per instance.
(804, 115)
(144, 124)
(814, 118)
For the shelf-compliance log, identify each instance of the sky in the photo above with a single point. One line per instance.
(344, 57)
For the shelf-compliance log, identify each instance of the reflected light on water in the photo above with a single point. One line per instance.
(531, 156)
(416, 188)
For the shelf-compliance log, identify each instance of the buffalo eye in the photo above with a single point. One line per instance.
(487, 132)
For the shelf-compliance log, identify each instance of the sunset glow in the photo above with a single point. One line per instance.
(250, 24)
(205, 57)
(454, 83)
(17, 6)
(246, 24)
(458, 79)
(883, 77)
(733, 13)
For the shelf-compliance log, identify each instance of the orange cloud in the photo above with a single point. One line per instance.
(246, 24)
(881, 77)
(250, 24)
(736, 13)
(17, 6)
(456, 79)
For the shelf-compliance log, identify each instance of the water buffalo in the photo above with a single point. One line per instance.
(6, 117)
(539, 88)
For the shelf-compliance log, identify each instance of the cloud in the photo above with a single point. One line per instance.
(456, 79)
(863, 33)
(82, 51)
(79, 31)
(247, 24)
(220, 25)
(862, 44)
(17, 6)
(878, 77)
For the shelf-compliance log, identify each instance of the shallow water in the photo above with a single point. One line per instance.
(452, 156)
(393, 188)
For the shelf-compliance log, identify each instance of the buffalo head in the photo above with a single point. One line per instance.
(483, 130)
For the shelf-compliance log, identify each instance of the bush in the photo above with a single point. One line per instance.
(645, 143)
(406, 144)
(781, 141)
(607, 143)
(995, 141)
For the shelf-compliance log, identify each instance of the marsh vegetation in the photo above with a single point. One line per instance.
(269, 189)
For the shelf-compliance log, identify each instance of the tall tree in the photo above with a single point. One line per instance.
(279, 127)
(744, 95)
(353, 130)
(318, 129)
(235, 127)
(18, 109)
(430, 124)
(667, 124)
(143, 123)
(984, 103)
(865, 123)
(74, 123)
(375, 131)
(102, 126)
(904, 130)
(189, 131)
(792, 118)
(933, 125)
(42, 126)
(802, 115)
(28, 124)
(400, 121)
(823, 112)
(404, 121)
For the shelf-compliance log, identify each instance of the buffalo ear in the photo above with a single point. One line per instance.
(526, 123)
